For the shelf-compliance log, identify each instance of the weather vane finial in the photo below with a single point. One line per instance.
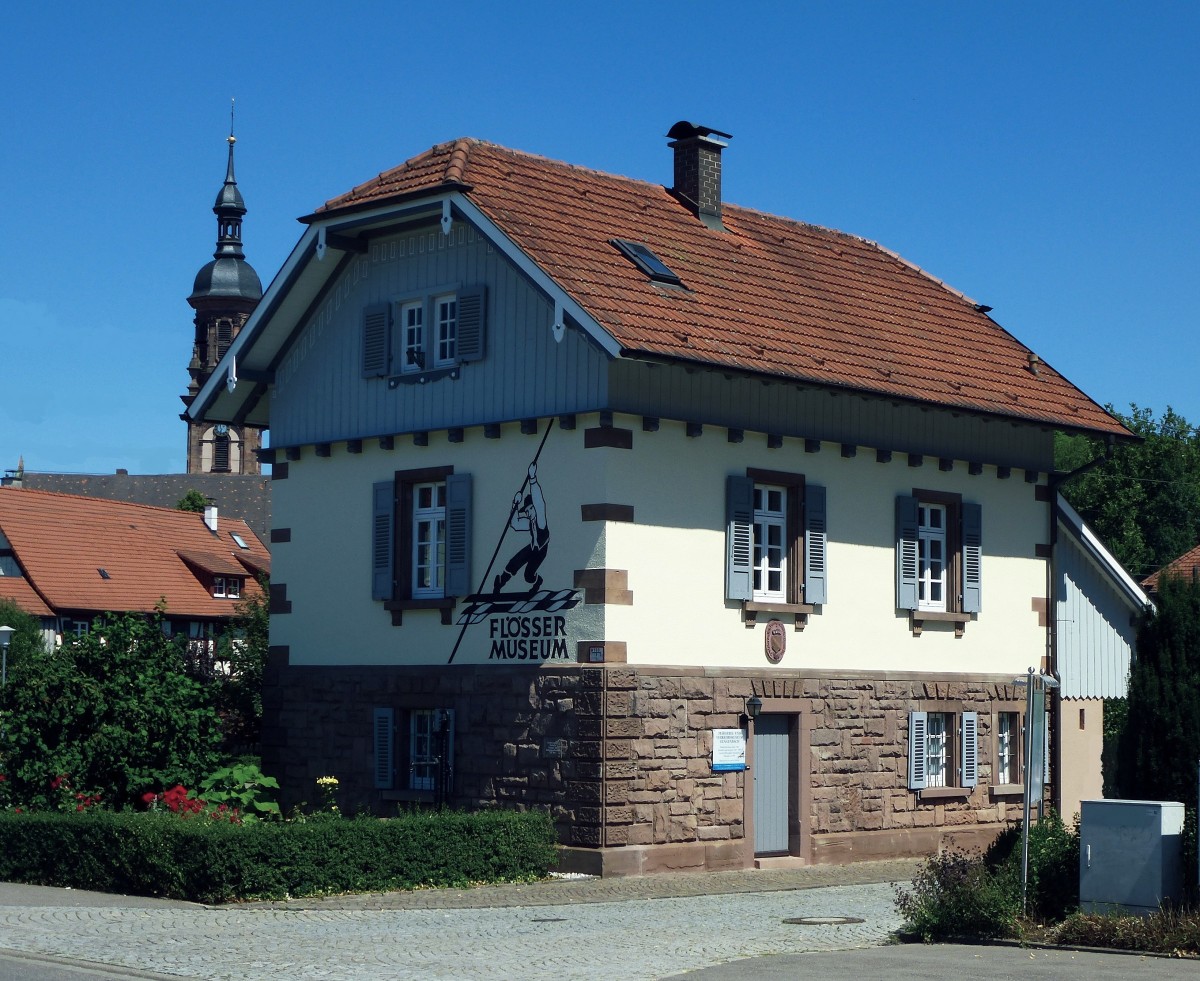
(232, 138)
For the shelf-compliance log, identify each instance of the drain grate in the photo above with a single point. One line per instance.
(549, 919)
(824, 920)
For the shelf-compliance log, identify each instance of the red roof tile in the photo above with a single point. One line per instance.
(1187, 566)
(63, 541)
(20, 592)
(770, 295)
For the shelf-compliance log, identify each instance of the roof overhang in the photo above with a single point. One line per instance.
(238, 391)
(1070, 521)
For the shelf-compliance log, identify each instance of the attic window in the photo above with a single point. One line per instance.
(239, 540)
(647, 262)
(104, 574)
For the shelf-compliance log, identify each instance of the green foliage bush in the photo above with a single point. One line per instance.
(114, 712)
(955, 895)
(959, 895)
(158, 854)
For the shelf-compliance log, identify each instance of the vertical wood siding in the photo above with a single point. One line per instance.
(321, 396)
(786, 408)
(1095, 633)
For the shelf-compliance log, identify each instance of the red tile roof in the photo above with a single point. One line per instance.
(62, 542)
(770, 295)
(1187, 566)
(20, 592)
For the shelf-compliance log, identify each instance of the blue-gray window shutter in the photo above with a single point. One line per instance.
(376, 340)
(739, 538)
(907, 565)
(472, 316)
(918, 730)
(458, 534)
(815, 575)
(384, 730)
(969, 740)
(383, 540)
(972, 557)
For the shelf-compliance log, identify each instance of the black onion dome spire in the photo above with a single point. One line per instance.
(229, 275)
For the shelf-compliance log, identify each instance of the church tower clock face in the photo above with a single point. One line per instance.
(224, 295)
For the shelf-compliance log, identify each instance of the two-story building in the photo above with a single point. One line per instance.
(720, 535)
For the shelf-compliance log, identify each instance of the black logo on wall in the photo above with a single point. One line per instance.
(523, 625)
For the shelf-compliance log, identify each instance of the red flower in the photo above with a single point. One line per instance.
(16, 810)
(2, 778)
(59, 781)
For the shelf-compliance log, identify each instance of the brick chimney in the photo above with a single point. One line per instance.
(698, 169)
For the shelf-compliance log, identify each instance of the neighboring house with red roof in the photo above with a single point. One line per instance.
(1187, 566)
(68, 560)
(583, 485)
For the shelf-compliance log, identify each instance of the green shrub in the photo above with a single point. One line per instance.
(955, 895)
(1053, 866)
(158, 854)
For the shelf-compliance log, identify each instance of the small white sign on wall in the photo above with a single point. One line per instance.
(729, 749)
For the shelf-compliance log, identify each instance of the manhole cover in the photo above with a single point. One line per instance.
(824, 920)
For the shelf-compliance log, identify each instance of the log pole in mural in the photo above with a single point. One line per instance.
(527, 511)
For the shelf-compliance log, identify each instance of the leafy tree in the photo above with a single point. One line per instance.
(1144, 502)
(1159, 747)
(244, 647)
(112, 713)
(193, 500)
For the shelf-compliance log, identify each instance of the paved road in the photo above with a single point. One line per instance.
(723, 926)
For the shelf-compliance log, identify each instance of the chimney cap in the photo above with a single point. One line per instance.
(684, 130)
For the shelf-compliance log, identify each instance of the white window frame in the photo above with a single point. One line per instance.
(422, 758)
(412, 337)
(930, 539)
(430, 553)
(939, 748)
(445, 330)
(1008, 748)
(769, 521)
(227, 587)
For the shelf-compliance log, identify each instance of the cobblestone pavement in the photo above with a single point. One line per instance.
(567, 929)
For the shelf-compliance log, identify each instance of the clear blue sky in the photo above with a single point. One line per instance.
(1044, 158)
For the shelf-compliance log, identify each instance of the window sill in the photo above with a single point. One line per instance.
(752, 608)
(918, 618)
(397, 607)
(944, 793)
(1007, 790)
(413, 796)
(423, 377)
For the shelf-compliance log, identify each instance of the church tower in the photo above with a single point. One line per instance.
(224, 295)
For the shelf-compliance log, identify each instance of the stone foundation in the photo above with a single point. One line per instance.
(621, 757)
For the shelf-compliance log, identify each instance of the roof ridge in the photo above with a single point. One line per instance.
(105, 501)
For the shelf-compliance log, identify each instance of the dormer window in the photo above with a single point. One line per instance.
(227, 587)
(641, 256)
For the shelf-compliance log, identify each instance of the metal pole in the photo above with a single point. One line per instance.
(1028, 789)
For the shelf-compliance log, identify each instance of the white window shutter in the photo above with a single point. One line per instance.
(969, 741)
(384, 725)
(383, 539)
(739, 538)
(907, 564)
(458, 534)
(815, 571)
(972, 557)
(376, 341)
(918, 729)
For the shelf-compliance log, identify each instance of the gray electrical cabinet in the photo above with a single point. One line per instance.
(1129, 855)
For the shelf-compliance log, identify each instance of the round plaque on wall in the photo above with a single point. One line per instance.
(775, 641)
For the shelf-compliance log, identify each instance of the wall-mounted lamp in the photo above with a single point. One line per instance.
(753, 706)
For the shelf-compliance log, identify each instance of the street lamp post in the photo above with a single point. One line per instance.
(5, 636)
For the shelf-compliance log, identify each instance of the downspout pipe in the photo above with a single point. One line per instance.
(1056, 481)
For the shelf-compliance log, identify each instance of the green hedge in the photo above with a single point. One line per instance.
(213, 862)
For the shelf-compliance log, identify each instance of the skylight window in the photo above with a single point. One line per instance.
(241, 542)
(104, 574)
(641, 256)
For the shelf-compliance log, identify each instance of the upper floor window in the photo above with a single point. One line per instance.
(429, 539)
(775, 539)
(939, 553)
(418, 338)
